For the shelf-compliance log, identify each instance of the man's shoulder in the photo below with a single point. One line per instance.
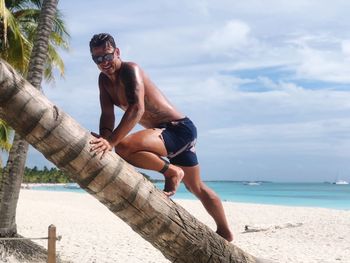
(103, 80)
(130, 69)
(128, 65)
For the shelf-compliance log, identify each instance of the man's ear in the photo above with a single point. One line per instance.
(117, 52)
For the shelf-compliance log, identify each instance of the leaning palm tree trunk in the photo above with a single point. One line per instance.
(14, 170)
(115, 183)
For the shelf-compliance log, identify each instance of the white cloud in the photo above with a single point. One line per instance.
(232, 37)
(329, 65)
(287, 131)
(345, 47)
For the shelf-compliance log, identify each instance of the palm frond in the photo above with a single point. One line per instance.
(22, 17)
(3, 17)
(17, 54)
(5, 134)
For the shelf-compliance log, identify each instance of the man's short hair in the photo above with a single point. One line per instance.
(102, 39)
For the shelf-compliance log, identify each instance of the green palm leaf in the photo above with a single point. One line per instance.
(19, 20)
(5, 132)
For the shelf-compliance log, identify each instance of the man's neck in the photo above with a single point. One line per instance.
(114, 76)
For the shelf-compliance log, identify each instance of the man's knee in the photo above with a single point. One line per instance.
(123, 148)
(202, 191)
(195, 189)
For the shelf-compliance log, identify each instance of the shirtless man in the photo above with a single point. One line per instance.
(168, 133)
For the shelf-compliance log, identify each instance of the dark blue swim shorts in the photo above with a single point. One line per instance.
(179, 137)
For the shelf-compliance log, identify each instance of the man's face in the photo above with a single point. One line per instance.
(105, 58)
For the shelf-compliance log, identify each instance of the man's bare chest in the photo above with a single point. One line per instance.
(118, 95)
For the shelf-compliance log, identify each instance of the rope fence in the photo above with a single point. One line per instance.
(51, 244)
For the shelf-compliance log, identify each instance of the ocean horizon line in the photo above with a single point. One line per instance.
(327, 195)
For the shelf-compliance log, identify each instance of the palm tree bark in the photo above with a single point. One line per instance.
(14, 170)
(115, 183)
(10, 186)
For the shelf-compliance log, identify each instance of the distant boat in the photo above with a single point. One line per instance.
(72, 186)
(340, 182)
(252, 183)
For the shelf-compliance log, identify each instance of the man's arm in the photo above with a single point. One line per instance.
(131, 78)
(107, 118)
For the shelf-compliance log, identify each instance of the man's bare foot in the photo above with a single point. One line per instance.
(227, 234)
(173, 177)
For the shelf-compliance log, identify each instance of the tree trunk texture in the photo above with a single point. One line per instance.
(14, 170)
(10, 186)
(166, 225)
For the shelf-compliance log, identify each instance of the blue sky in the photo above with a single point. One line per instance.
(266, 82)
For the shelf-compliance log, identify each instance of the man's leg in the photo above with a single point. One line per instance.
(144, 149)
(209, 199)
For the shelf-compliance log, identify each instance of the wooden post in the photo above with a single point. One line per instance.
(51, 246)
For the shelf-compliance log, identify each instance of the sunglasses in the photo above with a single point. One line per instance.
(106, 57)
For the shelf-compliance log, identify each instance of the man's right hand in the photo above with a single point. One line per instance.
(100, 145)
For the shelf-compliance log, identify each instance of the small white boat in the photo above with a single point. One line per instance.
(340, 182)
(72, 186)
(252, 183)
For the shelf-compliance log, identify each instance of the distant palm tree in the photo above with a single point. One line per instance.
(38, 31)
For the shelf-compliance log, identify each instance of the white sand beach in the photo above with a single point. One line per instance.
(91, 233)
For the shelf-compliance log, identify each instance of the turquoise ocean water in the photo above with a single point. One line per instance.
(290, 194)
